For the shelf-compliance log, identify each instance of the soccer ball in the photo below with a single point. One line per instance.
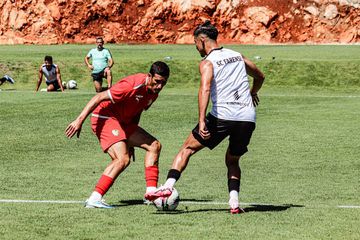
(64, 84)
(168, 203)
(71, 84)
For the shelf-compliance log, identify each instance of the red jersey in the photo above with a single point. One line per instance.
(129, 97)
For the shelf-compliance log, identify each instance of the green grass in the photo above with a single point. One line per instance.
(302, 161)
(321, 66)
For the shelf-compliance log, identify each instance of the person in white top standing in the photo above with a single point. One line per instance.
(223, 79)
(52, 75)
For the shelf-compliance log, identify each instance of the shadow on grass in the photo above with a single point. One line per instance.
(249, 208)
(270, 208)
(130, 202)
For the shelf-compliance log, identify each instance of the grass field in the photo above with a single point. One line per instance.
(302, 165)
(320, 66)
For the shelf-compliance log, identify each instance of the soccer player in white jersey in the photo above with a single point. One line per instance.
(52, 75)
(223, 79)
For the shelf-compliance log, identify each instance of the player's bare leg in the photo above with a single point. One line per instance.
(50, 88)
(119, 154)
(120, 159)
(142, 139)
(108, 75)
(234, 177)
(190, 147)
(98, 86)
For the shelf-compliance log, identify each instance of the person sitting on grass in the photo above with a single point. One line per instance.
(52, 75)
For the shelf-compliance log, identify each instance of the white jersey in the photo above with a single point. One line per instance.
(50, 75)
(230, 90)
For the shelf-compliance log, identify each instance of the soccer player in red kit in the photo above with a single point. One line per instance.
(114, 119)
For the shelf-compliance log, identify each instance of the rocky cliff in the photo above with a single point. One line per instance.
(173, 21)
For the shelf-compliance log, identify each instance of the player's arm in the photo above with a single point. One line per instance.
(87, 62)
(58, 77)
(206, 71)
(110, 62)
(110, 59)
(258, 77)
(39, 80)
(75, 126)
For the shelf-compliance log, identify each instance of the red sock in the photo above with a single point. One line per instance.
(103, 185)
(151, 176)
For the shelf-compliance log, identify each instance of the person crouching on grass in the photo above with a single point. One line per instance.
(114, 119)
(52, 75)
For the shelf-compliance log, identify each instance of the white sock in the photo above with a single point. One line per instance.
(234, 199)
(234, 194)
(95, 196)
(150, 189)
(170, 182)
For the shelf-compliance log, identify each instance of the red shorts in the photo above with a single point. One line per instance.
(110, 131)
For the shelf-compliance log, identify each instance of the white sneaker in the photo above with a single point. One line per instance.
(234, 206)
(147, 202)
(97, 204)
(234, 202)
(237, 210)
(9, 79)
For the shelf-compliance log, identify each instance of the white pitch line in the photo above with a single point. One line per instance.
(311, 96)
(183, 202)
(348, 206)
(39, 201)
(225, 203)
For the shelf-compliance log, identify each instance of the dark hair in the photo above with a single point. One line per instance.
(48, 59)
(160, 68)
(99, 38)
(208, 29)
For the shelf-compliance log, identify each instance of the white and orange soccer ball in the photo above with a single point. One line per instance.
(168, 203)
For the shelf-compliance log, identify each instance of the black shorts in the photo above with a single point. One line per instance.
(55, 83)
(239, 131)
(98, 76)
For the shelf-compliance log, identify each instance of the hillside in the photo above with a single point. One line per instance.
(173, 21)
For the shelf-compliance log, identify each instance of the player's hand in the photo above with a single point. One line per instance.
(255, 99)
(204, 133)
(74, 127)
(91, 67)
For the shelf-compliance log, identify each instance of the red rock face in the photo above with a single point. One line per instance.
(173, 21)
